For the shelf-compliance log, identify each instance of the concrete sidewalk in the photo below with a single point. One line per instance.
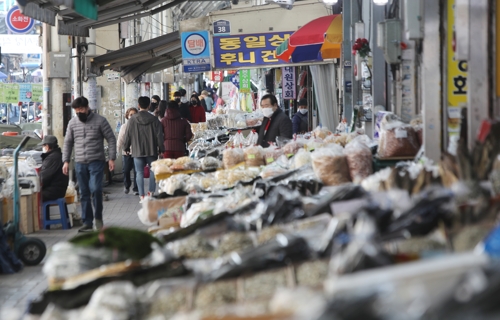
(17, 289)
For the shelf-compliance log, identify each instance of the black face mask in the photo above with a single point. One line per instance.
(177, 100)
(82, 116)
(194, 102)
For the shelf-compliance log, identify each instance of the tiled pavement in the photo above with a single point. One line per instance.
(17, 289)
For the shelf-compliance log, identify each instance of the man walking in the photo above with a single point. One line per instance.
(144, 136)
(86, 133)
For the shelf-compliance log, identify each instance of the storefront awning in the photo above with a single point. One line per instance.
(148, 56)
(74, 15)
(318, 40)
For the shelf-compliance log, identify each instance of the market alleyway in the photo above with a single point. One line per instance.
(17, 289)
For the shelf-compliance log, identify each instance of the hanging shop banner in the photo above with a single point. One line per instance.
(235, 79)
(245, 86)
(457, 77)
(250, 50)
(217, 76)
(11, 92)
(288, 83)
(195, 51)
(36, 93)
(25, 92)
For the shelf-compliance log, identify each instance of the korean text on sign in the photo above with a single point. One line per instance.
(247, 50)
(288, 82)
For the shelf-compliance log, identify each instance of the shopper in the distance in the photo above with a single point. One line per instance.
(176, 131)
(54, 181)
(196, 110)
(300, 120)
(128, 161)
(206, 101)
(86, 133)
(275, 124)
(183, 106)
(144, 139)
(155, 101)
(162, 108)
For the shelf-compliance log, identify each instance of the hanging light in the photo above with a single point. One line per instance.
(330, 2)
(380, 2)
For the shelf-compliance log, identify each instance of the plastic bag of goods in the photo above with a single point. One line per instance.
(397, 139)
(162, 166)
(417, 125)
(359, 159)
(176, 182)
(239, 140)
(339, 139)
(293, 146)
(302, 158)
(252, 138)
(321, 132)
(280, 166)
(232, 157)
(210, 163)
(330, 165)
(314, 144)
(254, 119)
(272, 154)
(254, 156)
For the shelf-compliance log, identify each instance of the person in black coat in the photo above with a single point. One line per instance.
(183, 106)
(300, 120)
(54, 181)
(276, 123)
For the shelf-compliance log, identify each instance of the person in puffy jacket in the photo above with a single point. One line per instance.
(196, 110)
(176, 132)
(144, 138)
(300, 120)
(128, 161)
(54, 181)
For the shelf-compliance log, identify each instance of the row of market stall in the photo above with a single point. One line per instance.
(322, 226)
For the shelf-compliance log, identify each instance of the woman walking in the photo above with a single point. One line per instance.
(176, 132)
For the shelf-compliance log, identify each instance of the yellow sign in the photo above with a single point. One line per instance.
(457, 76)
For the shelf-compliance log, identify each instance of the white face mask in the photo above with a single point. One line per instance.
(184, 99)
(45, 149)
(267, 112)
(303, 111)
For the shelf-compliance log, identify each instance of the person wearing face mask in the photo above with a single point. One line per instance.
(155, 101)
(183, 106)
(86, 133)
(196, 110)
(300, 120)
(275, 124)
(54, 181)
(128, 161)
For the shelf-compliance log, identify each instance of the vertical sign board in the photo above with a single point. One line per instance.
(245, 86)
(195, 51)
(288, 83)
(25, 93)
(217, 76)
(36, 93)
(456, 78)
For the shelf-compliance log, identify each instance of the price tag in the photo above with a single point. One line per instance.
(251, 156)
(401, 133)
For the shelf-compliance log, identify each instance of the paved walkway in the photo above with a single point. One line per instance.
(17, 289)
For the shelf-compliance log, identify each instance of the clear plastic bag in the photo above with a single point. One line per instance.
(276, 168)
(254, 156)
(302, 158)
(397, 139)
(116, 300)
(330, 165)
(162, 166)
(293, 146)
(232, 157)
(252, 138)
(199, 210)
(272, 154)
(175, 182)
(321, 132)
(359, 159)
(340, 139)
(210, 163)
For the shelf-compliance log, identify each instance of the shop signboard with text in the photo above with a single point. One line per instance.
(288, 83)
(248, 51)
(195, 51)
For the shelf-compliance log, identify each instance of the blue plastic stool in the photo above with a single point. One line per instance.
(63, 209)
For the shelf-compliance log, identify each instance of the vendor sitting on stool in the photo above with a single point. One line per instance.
(54, 181)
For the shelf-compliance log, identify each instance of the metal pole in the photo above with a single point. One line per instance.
(431, 84)
(46, 83)
(347, 61)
